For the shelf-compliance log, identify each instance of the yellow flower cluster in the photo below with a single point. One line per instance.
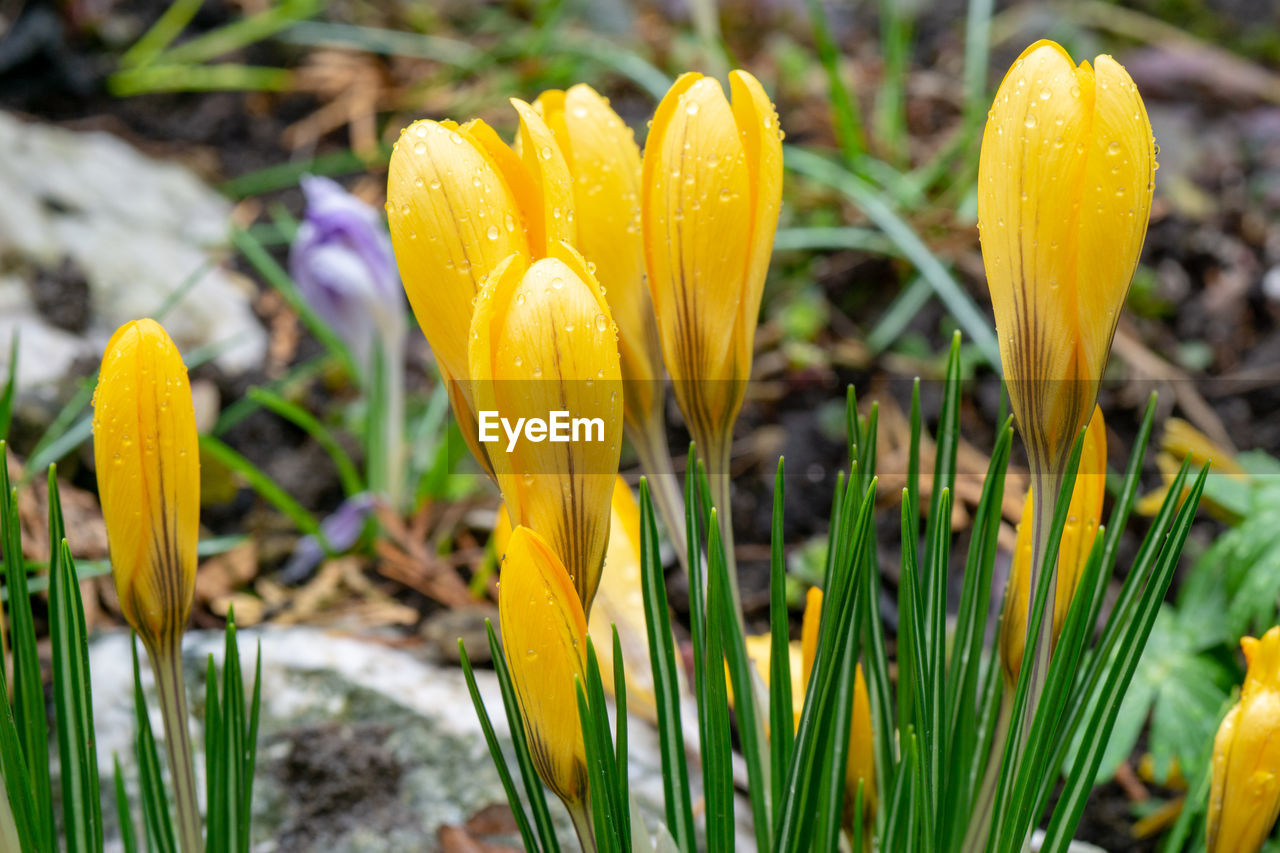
(556, 274)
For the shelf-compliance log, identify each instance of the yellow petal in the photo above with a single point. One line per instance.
(453, 218)
(551, 221)
(619, 602)
(543, 342)
(698, 220)
(148, 463)
(1065, 178)
(1244, 798)
(1118, 182)
(544, 638)
(605, 162)
(1182, 440)
(1083, 517)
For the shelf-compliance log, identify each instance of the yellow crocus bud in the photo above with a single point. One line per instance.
(710, 192)
(619, 602)
(544, 635)
(542, 342)
(148, 464)
(459, 202)
(861, 767)
(603, 157)
(1083, 517)
(1244, 799)
(1064, 195)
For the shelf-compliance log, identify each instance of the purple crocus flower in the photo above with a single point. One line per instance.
(342, 261)
(341, 531)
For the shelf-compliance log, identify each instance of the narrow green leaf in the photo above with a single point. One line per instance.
(10, 387)
(515, 721)
(260, 259)
(717, 753)
(348, 474)
(264, 486)
(495, 751)
(28, 687)
(666, 680)
(128, 834)
(73, 699)
(1079, 780)
(781, 713)
(156, 816)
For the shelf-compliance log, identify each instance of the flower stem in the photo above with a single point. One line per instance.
(582, 825)
(979, 831)
(650, 443)
(166, 663)
(1044, 486)
(718, 479)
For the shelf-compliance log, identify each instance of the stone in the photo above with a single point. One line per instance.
(93, 233)
(362, 747)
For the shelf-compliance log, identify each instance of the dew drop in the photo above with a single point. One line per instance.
(691, 108)
(1114, 148)
(419, 148)
(492, 233)
(1030, 121)
(602, 323)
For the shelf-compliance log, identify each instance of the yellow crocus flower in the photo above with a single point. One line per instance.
(603, 157)
(1064, 194)
(147, 455)
(1244, 799)
(544, 635)
(542, 341)
(710, 192)
(619, 602)
(459, 202)
(148, 463)
(1083, 517)
(861, 767)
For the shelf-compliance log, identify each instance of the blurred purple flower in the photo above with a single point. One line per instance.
(341, 530)
(342, 261)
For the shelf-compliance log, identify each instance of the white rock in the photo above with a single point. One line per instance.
(138, 229)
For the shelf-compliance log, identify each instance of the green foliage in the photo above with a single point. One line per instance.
(27, 794)
(961, 761)
(1184, 682)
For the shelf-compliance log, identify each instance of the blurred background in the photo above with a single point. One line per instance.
(151, 161)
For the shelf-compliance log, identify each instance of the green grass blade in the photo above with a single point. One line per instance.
(781, 713)
(949, 291)
(1079, 780)
(17, 822)
(622, 755)
(717, 756)
(891, 101)
(10, 388)
(495, 751)
(73, 702)
(603, 832)
(666, 680)
(243, 32)
(751, 730)
(215, 766)
(348, 474)
(515, 721)
(845, 114)
(156, 817)
(128, 834)
(260, 259)
(251, 747)
(264, 486)
(161, 34)
(28, 687)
